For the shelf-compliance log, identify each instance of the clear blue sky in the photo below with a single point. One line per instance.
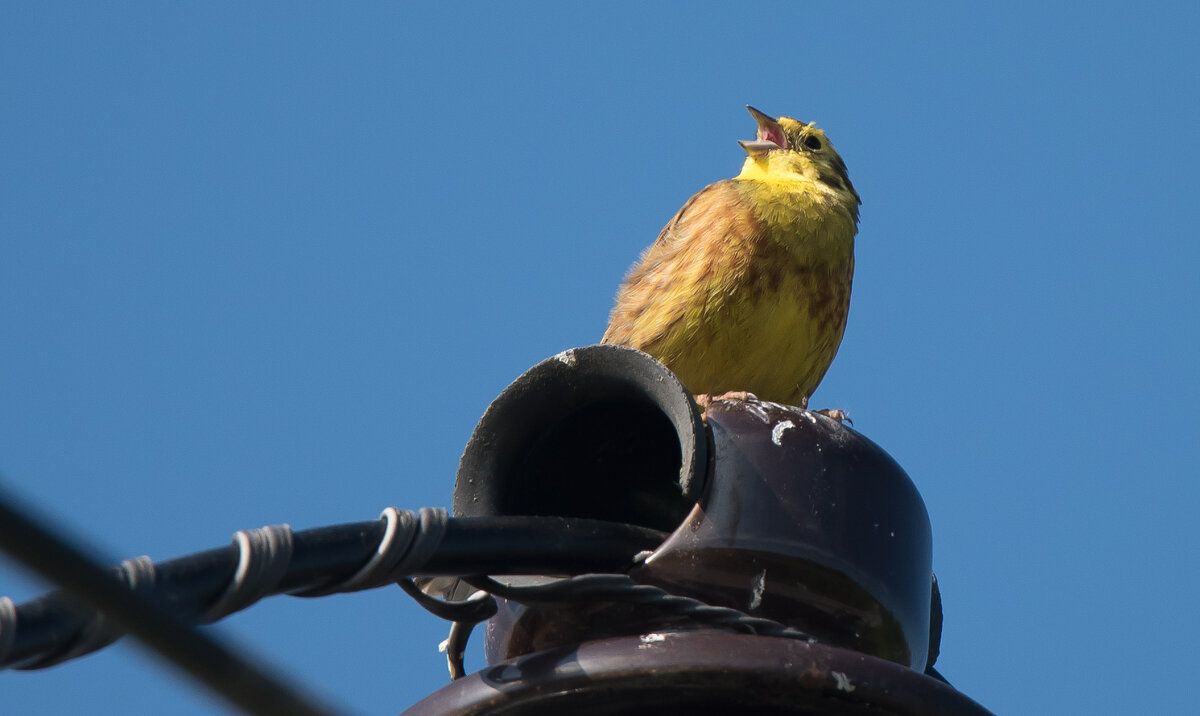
(270, 264)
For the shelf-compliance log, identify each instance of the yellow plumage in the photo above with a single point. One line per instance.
(747, 288)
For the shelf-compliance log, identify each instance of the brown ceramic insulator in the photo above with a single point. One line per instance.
(697, 674)
(806, 522)
(775, 511)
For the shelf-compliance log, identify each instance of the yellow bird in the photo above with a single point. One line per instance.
(747, 288)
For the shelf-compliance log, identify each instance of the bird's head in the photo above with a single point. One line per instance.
(785, 147)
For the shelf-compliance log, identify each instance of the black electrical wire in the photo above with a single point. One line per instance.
(243, 683)
(464, 615)
(622, 588)
(585, 588)
(321, 560)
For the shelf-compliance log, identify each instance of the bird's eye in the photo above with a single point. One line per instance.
(812, 143)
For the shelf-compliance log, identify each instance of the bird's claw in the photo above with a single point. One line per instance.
(704, 400)
(743, 395)
(836, 414)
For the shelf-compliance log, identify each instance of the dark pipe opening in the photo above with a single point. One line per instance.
(602, 432)
(616, 461)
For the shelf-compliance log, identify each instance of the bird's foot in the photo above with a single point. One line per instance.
(836, 414)
(743, 395)
(703, 400)
(706, 399)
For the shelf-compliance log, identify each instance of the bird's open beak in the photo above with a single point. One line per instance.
(770, 135)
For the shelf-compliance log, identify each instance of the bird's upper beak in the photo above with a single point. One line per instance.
(770, 135)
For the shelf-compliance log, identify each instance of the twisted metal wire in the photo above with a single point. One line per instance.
(586, 588)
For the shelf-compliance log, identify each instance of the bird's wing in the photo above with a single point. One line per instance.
(714, 204)
(679, 268)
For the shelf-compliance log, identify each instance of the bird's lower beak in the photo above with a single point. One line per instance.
(757, 148)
